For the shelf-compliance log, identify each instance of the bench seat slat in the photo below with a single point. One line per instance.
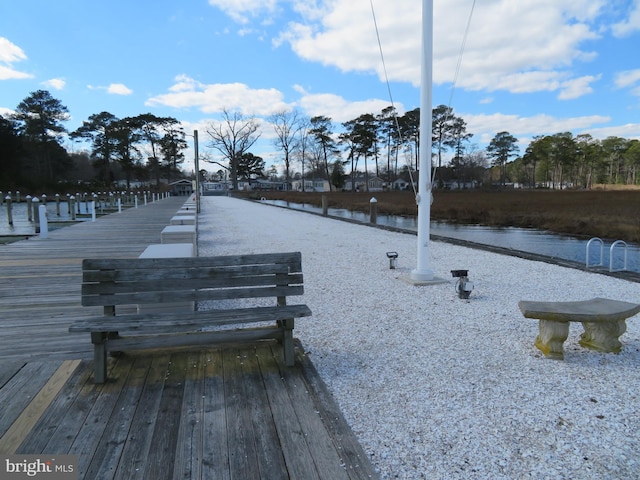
(208, 339)
(186, 321)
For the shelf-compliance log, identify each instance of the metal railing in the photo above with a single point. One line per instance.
(615, 246)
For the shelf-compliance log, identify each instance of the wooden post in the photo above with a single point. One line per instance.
(57, 204)
(36, 213)
(29, 208)
(373, 210)
(72, 207)
(44, 226)
(325, 205)
(9, 212)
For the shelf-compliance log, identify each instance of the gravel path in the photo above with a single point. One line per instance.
(437, 387)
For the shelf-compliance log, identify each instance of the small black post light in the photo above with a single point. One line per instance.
(393, 259)
(464, 287)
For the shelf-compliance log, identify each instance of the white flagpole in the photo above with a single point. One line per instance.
(423, 271)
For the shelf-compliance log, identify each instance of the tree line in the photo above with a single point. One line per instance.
(149, 148)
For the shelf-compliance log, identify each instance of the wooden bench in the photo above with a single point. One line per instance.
(232, 291)
(604, 320)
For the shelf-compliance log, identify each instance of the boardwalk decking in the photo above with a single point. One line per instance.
(234, 412)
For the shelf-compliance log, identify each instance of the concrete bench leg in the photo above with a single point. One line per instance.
(603, 336)
(551, 337)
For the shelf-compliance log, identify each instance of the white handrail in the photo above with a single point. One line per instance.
(613, 245)
(595, 239)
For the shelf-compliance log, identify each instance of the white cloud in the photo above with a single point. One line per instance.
(213, 98)
(627, 78)
(55, 83)
(511, 44)
(119, 89)
(337, 108)
(629, 130)
(629, 25)
(10, 53)
(485, 127)
(577, 87)
(242, 10)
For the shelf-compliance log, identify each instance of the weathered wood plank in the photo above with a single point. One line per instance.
(168, 284)
(188, 455)
(91, 433)
(21, 388)
(19, 430)
(161, 296)
(9, 369)
(107, 455)
(165, 435)
(326, 457)
(133, 459)
(194, 340)
(292, 435)
(184, 321)
(61, 417)
(243, 460)
(215, 454)
(292, 258)
(271, 461)
(77, 415)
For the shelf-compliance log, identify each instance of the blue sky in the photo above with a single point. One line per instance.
(529, 67)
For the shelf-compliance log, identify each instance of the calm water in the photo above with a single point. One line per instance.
(522, 239)
(22, 225)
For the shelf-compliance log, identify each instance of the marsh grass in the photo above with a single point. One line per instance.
(610, 214)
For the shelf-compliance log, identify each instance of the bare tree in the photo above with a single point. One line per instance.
(232, 138)
(286, 124)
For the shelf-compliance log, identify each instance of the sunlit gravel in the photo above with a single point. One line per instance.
(438, 387)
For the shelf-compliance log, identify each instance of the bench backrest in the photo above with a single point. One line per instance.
(110, 282)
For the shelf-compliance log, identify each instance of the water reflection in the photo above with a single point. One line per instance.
(23, 226)
(521, 239)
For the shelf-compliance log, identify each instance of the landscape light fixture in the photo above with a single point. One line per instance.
(393, 259)
(464, 287)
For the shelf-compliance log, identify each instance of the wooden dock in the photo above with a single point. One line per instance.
(234, 412)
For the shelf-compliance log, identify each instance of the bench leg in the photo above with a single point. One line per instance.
(287, 342)
(99, 340)
(551, 337)
(603, 336)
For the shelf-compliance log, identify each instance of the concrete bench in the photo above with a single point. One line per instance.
(168, 250)
(180, 234)
(183, 219)
(604, 320)
(231, 287)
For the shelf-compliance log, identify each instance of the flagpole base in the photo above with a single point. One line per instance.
(423, 278)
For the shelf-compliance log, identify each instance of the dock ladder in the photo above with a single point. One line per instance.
(614, 247)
